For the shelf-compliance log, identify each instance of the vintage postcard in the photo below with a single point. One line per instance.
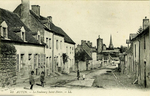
(74, 47)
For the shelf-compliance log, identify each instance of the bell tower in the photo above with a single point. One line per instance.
(111, 44)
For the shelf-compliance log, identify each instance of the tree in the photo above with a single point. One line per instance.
(7, 49)
(123, 49)
(80, 56)
(140, 30)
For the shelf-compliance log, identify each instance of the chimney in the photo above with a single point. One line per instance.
(83, 42)
(25, 2)
(145, 23)
(25, 12)
(88, 42)
(49, 19)
(36, 9)
(91, 44)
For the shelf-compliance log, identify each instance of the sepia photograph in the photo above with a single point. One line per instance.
(74, 47)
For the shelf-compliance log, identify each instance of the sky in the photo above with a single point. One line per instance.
(86, 19)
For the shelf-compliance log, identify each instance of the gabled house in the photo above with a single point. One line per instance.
(141, 54)
(14, 31)
(57, 41)
(89, 55)
(39, 43)
(82, 58)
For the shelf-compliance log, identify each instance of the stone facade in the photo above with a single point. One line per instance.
(39, 43)
(139, 62)
(8, 71)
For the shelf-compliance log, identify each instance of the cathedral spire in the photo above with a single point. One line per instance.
(110, 44)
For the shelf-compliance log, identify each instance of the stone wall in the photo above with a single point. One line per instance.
(7, 70)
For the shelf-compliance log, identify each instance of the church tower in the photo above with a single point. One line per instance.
(110, 44)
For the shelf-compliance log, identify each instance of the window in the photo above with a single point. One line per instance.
(3, 29)
(46, 42)
(50, 43)
(4, 32)
(23, 36)
(35, 61)
(135, 50)
(22, 60)
(38, 38)
(23, 33)
(46, 61)
(29, 56)
(56, 44)
(144, 42)
(42, 59)
(70, 50)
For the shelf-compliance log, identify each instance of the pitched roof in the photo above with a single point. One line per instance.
(80, 49)
(56, 30)
(39, 21)
(132, 35)
(60, 31)
(13, 21)
(143, 32)
(110, 51)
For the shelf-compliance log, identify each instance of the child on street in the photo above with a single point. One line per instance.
(83, 76)
(42, 78)
(31, 80)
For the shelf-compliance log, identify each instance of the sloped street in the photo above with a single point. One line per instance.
(103, 78)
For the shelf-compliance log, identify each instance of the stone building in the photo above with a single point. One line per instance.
(141, 54)
(39, 43)
(14, 31)
(90, 55)
(106, 55)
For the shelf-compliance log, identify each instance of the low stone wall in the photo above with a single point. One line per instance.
(7, 70)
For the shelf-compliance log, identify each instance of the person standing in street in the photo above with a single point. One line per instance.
(78, 74)
(42, 78)
(31, 80)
